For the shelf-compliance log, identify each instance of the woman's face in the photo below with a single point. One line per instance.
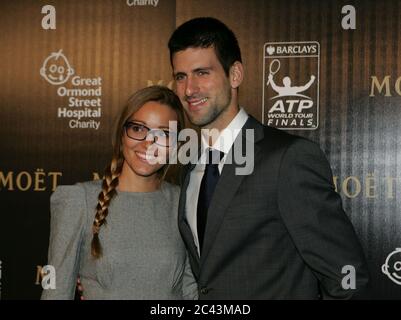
(146, 157)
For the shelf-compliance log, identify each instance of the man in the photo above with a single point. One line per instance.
(277, 233)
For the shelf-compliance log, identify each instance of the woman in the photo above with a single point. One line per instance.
(139, 253)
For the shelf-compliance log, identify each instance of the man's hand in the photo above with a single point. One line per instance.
(80, 289)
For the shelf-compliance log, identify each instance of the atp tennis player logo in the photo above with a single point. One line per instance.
(291, 85)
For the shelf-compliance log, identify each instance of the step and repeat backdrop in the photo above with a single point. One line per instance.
(327, 70)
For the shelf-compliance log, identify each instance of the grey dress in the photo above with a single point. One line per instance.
(143, 254)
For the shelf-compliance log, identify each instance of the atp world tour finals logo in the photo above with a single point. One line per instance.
(291, 85)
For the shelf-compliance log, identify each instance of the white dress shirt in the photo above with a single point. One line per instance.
(223, 143)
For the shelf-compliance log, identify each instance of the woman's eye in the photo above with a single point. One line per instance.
(137, 128)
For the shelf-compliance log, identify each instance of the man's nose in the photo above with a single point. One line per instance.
(191, 86)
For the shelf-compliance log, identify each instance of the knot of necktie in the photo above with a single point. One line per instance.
(214, 157)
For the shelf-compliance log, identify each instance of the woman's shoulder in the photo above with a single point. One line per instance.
(90, 186)
(69, 205)
(170, 187)
(77, 191)
(171, 190)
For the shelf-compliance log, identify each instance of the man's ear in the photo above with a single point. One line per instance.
(236, 74)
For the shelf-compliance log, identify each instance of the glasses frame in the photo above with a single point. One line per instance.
(168, 134)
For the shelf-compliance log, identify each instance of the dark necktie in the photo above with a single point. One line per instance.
(208, 184)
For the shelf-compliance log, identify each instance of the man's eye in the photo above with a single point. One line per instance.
(179, 77)
(202, 73)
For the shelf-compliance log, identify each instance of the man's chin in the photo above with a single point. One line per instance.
(200, 121)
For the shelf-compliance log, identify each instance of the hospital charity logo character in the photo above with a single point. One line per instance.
(56, 69)
(392, 266)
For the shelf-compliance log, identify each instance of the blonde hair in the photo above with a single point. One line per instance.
(160, 94)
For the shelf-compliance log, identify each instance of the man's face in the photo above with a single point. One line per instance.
(202, 85)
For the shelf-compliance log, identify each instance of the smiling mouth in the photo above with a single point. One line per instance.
(195, 103)
(144, 157)
(396, 276)
(55, 78)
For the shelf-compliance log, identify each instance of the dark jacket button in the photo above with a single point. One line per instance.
(204, 290)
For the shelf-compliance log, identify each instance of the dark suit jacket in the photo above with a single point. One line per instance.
(278, 233)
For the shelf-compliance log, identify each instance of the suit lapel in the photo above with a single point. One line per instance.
(227, 186)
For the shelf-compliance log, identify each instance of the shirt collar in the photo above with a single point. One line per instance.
(228, 135)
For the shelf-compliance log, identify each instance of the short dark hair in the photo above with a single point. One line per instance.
(206, 32)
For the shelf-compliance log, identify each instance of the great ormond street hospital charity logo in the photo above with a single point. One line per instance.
(56, 69)
(392, 266)
(82, 107)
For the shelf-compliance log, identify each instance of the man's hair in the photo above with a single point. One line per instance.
(206, 32)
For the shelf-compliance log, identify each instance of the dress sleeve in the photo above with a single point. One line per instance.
(67, 223)
(189, 284)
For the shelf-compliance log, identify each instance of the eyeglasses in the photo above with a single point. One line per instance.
(140, 132)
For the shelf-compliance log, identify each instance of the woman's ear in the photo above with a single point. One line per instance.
(236, 74)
